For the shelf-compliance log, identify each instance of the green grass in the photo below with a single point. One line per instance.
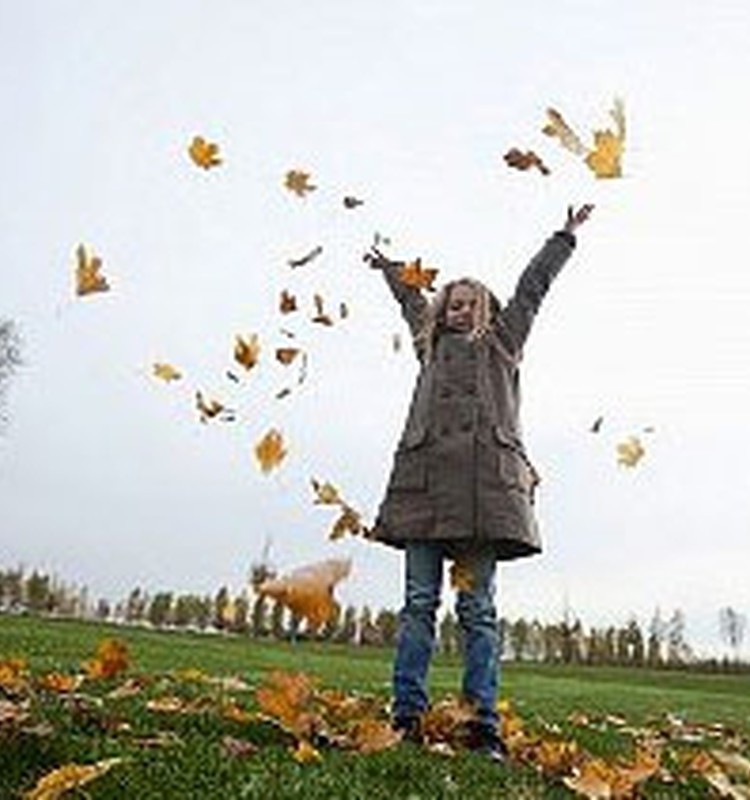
(196, 767)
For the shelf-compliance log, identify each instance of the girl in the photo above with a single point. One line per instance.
(462, 486)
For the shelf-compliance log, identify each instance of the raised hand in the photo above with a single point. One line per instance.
(576, 218)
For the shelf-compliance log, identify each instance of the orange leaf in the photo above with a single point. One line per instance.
(270, 450)
(308, 591)
(58, 682)
(88, 276)
(519, 160)
(204, 154)
(372, 736)
(417, 276)
(461, 577)
(247, 351)
(298, 182)
(287, 698)
(286, 354)
(111, 658)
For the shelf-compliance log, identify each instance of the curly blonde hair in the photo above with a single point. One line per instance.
(486, 314)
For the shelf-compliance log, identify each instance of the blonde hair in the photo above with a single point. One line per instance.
(486, 312)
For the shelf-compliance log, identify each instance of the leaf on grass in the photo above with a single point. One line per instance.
(298, 182)
(305, 753)
(558, 128)
(415, 275)
(308, 591)
(238, 748)
(247, 351)
(203, 153)
(59, 682)
(372, 736)
(54, 784)
(630, 451)
(287, 699)
(306, 258)
(524, 161)
(285, 355)
(89, 279)
(13, 715)
(287, 302)
(166, 372)
(111, 658)
(270, 450)
(13, 675)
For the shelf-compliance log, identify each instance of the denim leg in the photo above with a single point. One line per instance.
(478, 620)
(416, 631)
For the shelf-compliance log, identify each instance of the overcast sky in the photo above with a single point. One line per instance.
(107, 476)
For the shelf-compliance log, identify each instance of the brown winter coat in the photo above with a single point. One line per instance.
(460, 473)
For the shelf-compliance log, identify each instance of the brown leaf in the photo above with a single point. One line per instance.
(203, 153)
(89, 279)
(286, 355)
(270, 450)
(298, 182)
(287, 302)
(247, 351)
(524, 161)
(415, 275)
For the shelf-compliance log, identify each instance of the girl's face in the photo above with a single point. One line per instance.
(460, 309)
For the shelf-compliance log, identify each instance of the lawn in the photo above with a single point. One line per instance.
(209, 743)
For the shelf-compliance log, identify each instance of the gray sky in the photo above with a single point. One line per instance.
(106, 475)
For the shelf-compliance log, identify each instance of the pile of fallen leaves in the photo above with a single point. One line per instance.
(310, 720)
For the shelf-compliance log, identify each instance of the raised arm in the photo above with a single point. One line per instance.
(518, 315)
(411, 299)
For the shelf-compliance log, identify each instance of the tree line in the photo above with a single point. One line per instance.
(662, 643)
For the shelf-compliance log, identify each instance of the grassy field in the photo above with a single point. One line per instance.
(605, 711)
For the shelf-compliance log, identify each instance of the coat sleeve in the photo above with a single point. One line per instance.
(411, 299)
(518, 315)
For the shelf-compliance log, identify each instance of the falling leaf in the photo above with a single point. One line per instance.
(396, 342)
(166, 372)
(111, 658)
(352, 202)
(350, 521)
(524, 161)
(461, 577)
(209, 409)
(232, 376)
(287, 302)
(557, 127)
(379, 239)
(88, 273)
(270, 450)
(282, 393)
(343, 310)
(307, 258)
(320, 315)
(298, 182)
(325, 493)
(596, 425)
(415, 275)
(247, 351)
(285, 355)
(54, 784)
(289, 334)
(605, 159)
(204, 154)
(630, 452)
(308, 591)
(305, 753)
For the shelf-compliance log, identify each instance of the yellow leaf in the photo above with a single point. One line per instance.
(247, 351)
(558, 128)
(88, 273)
(204, 154)
(13, 674)
(417, 276)
(111, 658)
(287, 698)
(605, 159)
(305, 753)
(70, 776)
(298, 182)
(308, 591)
(325, 493)
(593, 780)
(630, 452)
(166, 372)
(372, 736)
(270, 450)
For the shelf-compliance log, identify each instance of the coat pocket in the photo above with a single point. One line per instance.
(514, 468)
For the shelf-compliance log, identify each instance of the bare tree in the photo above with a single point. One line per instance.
(732, 627)
(10, 358)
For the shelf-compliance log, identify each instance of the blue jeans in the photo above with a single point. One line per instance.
(415, 642)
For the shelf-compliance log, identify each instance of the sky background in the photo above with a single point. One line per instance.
(107, 476)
